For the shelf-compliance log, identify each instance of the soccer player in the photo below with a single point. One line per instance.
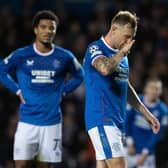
(106, 83)
(41, 70)
(141, 140)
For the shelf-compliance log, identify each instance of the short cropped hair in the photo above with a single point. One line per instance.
(44, 14)
(125, 17)
(153, 79)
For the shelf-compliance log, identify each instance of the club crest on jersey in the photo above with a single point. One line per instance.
(56, 63)
(30, 62)
(93, 49)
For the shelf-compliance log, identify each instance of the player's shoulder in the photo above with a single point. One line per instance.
(25, 49)
(94, 45)
(64, 52)
(22, 51)
(94, 48)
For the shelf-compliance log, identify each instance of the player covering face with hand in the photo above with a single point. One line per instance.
(108, 89)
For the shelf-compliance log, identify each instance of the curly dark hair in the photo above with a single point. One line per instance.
(44, 14)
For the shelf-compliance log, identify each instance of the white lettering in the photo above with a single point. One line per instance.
(43, 76)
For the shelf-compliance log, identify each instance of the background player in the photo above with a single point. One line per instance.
(141, 140)
(41, 70)
(106, 82)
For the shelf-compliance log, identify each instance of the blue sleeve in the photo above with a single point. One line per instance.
(6, 66)
(76, 71)
(94, 51)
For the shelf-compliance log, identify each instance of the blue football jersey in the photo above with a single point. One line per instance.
(41, 78)
(141, 131)
(106, 96)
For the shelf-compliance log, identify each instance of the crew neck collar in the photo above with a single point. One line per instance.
(43, 54)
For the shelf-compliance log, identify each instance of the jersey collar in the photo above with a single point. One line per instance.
(43, 54)
(106, 44)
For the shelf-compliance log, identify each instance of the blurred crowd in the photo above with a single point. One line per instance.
(81, 22)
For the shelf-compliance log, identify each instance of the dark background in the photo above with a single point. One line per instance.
(82, 21)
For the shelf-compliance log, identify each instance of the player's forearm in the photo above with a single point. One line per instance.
(133, 98)
(8, 82)
(115, 60)
(135, 102)
(6, 79)
(74, 82)
(106, 65)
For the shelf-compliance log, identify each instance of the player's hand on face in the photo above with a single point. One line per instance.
(21, 98)
(127, 46)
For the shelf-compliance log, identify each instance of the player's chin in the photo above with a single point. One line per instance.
(47, 41)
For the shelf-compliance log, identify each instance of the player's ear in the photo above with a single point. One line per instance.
(114, 27)
(35, 30)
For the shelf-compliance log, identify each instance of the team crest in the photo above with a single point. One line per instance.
(56, 63)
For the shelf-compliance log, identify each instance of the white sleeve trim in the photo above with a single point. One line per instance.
(95, 53)
(97, 57)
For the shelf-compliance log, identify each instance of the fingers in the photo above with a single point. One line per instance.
(131, 43)
(156, 126)
(130, 46)
(126, 48)
(21, 98)
(154, 123)
(23, 101)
